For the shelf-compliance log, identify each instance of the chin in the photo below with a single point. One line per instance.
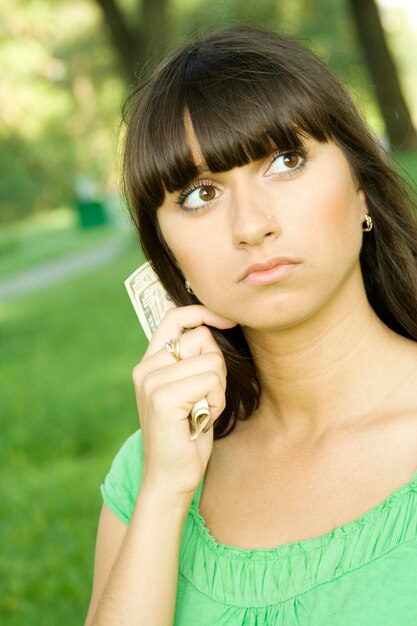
(270, 323)
(275, 314)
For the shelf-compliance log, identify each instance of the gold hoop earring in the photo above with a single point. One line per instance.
(188, 287)
(367, 225)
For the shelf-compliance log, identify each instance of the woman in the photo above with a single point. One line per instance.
(289, 246)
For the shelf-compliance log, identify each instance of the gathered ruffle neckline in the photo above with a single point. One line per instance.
(260, 577)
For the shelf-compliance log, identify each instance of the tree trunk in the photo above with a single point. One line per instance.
(128, 44)
(156, 27)
(398, 123)
(138, 48)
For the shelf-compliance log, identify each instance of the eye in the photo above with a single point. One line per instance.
(201, 194)
(206, 193)
(288, 162)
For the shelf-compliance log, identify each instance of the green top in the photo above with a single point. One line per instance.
(361, 574)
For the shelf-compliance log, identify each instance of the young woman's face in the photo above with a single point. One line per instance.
(297, 215)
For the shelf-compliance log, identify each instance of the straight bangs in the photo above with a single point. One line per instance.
(238, 115)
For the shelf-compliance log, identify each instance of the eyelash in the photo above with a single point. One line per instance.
(301, 152)
(186, 192)
(182, 197)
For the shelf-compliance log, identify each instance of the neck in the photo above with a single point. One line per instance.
(326, 371)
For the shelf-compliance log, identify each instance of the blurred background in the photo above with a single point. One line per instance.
(69, 337)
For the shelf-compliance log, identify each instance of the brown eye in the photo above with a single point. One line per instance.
(207, 193)
(291, 159)
(199, 196)
(287, 163)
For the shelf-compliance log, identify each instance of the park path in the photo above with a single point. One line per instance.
(53, 272)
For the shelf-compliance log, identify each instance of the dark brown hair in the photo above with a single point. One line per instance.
(248, 91)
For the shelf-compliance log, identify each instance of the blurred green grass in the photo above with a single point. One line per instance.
(66, 406)
(47, 237)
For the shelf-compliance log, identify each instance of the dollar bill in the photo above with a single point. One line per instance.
(149, 298)
(151, 302)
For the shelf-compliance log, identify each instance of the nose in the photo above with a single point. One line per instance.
(253, 218)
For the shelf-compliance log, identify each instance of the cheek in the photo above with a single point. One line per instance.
(170, 233)
(188, 247)
(333, 236)
(191, 262)
(339, 210)
(182, 251)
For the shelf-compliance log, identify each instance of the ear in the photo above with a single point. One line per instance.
(362, 204)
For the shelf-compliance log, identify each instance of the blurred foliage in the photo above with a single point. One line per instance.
(332, 38)
(325, 26)
(61, 85)
(60, 96)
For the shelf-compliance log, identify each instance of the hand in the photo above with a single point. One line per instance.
(166, 391)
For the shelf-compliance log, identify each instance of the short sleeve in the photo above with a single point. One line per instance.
(121, 485)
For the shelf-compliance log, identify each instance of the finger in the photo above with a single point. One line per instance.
(177, 398)
(199, 364)
(177, 320)
(196, 341)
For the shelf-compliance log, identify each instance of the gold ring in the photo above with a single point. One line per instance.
(173, 348)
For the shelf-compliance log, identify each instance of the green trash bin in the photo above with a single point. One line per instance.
(91, 213)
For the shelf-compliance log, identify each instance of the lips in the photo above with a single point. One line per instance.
(269, 264)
